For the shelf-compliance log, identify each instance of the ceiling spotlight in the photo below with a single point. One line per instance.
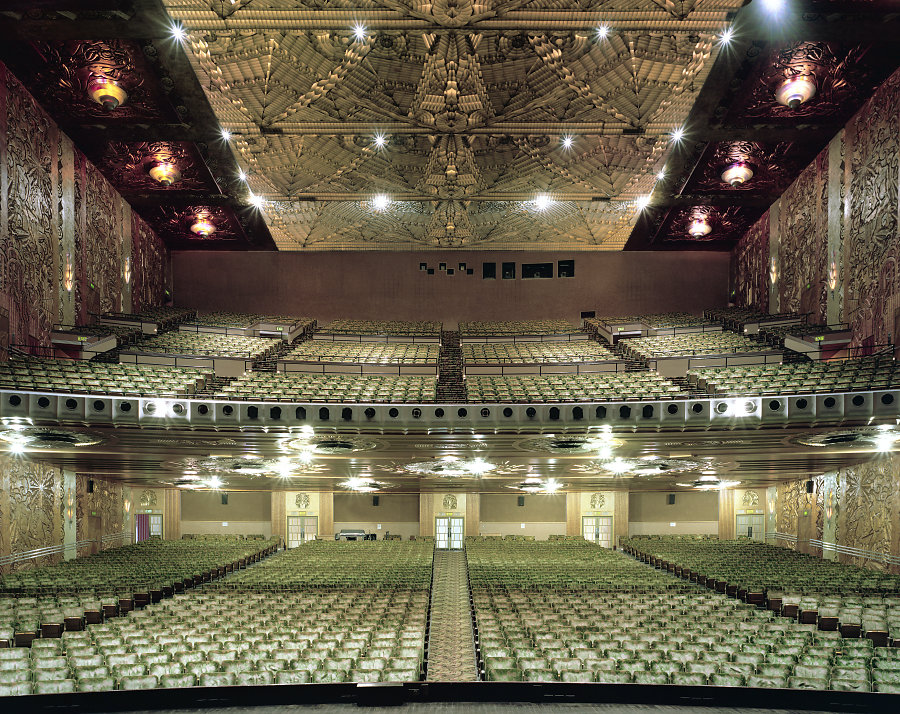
(165, 173)
(17, 447)
(380, 140)
(179, 33)
(380, 202)
(359, 32)
(359, 484)
(257, 201)
(203, 226)
(551, 485)
(773, 6)
(567, 142)
(726, 36)
(214, 482)
(602, 32)
(618, 466)
(642, 202)
(796, 90)
(661, 175)
(699, 228)
(107, 93)
(542, 202)
(737, 174)
(677, 134)
(226, 135)
(241, 175)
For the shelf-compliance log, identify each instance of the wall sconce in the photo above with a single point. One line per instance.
(107, 93)
(126, 269)
(832, 276)
(796, 90)
(771, 505)
(127, 506)
(773, 271)
(70, 506)
(68, 274)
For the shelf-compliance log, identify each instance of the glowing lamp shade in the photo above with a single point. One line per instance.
(203, 227)
(107, 93)
(165, 173)
(795, 91)
(737, 174)
(699, 228)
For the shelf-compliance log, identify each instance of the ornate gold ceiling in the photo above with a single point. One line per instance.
(473, 100)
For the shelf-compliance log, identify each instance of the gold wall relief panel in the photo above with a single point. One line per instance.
(32, 508)
(787, 506)
(866, 517)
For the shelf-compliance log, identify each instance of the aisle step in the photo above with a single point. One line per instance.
(451, 640)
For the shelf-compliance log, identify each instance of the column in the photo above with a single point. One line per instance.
(726, 514)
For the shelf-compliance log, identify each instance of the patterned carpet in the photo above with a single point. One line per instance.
(451, 643)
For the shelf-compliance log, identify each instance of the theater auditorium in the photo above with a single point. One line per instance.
(458, 355)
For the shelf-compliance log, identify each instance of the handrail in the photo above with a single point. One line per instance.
(184, 352)
(824, 545)
(60, 549)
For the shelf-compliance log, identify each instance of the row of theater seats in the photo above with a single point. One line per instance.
(167, 318)
(578, 613)
(356, 613)
(603, 386)
(221, 318)
(330, 388)
(213, 345)
(512, 328)
(859, 374)
(705, 343)
(366, 352)
(535, 352)
(735, 318)
(655, 320)
(78, 376)
(399, 328)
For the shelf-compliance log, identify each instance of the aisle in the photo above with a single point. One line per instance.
(451, 644)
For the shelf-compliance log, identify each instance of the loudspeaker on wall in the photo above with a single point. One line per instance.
(90, 485)
(521, 500)
(810, 487)
(375, 500)
(224, 499)
(671, 499)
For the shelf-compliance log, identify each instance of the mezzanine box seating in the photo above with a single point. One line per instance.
(516, 327)
(299, 387)
(535, 352)
(366, 352)
(209, 345)
(559, 612)
(707, 343)
(655, 320)
(400, 328)
(124, 334)
(166, 317)
(608, 386)
(848, 375)
(356, 614)
(735, 318)
(80, 376)
(221, 318)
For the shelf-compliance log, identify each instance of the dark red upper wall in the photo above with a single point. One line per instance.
(389, 285)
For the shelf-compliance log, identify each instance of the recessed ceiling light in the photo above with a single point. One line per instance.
(359, 32)
(380, 202)
(661, 175)
(178, 32)
(677, 134)
(380, 140)
(773, 6)
(226, 135)
(542, 202)
(567, 142)
(257, 201)
(726, 36)
(602, 32)
(241, 175)
(642, 202)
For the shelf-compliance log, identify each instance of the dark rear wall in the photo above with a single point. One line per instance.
(389, 285)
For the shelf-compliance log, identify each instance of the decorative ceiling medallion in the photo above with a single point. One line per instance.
(455, 467)
(131, 166)
(644, 467)
(702, 223)
(246, 465)
(568, 443)
(38, 437)
(335, 444)
(536, 485)
(864, 437)
(177, 223)
(364, 484)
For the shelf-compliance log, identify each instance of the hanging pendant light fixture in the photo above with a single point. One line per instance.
(107, 93)
(796, 90)
(737, 174)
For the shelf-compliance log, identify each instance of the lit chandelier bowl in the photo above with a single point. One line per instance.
(535, 485)
(165, 173)
(796, 90)
(203, 227)
(699, 228)
(710, 483)
(737, 174)
(363, 484)
(451, 467)
(107, 93)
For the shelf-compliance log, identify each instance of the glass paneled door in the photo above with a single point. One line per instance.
(448, 533)
(751, 526)
(301, 529)
(146, 525)
(597, 529)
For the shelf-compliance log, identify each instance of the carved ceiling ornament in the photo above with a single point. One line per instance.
(129, 164)
(175, 223)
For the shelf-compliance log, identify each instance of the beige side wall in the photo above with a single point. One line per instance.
(649, 513)
(242, 506)
(232, 527)
(503, 508)
(540, 530)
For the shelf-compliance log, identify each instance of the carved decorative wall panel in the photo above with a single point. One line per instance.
(106, 502)
(750, 267)
(790, 497)
(865, 518)
(803, 253)
(150, 259)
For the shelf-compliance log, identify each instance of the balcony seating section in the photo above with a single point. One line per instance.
(407, 353)
(601, 387)
(860, 374)
(734, 318)
(706, 343)
(343, 629)
(166, 317)
(124, 334)
(655, 320)
(559, 611)
(84, 377)
(398, 328)
(535, 352)
(210, 345)
(294, 387)
(513, 328)
(220, 318)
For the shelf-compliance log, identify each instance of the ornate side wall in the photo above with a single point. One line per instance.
(68, 240)
(833, 238)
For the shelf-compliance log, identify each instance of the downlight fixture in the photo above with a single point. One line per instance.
(737, 174)
(796, 90)
(107, 93)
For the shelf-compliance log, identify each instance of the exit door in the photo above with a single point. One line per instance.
(750, 526)
(448, 533)
(597, 529)
(301, 529)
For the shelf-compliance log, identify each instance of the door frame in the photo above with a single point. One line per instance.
(287, 529)
(612, 532)
(449, 540)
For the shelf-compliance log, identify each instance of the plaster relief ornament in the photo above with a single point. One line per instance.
(450, 502)
(598, 500)
(302, 500)
(750, 499)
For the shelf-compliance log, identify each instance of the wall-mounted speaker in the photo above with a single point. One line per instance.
(671, 499)
(224, 499)
(375, 500)
(521, 500)
(810, 487)
(90, 485)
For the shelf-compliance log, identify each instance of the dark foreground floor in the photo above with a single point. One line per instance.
(475, 708)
